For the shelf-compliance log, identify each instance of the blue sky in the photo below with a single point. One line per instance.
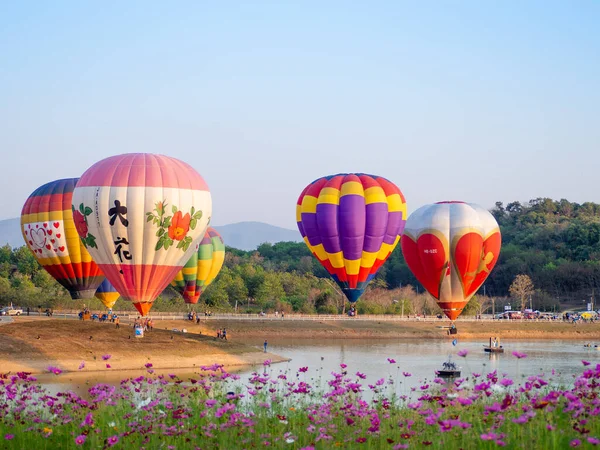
(463, 100)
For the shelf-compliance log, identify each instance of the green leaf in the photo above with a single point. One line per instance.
(159, 244)
(186, 246)
(193, 223)
(81, 209)
(174, 209)
(160, 232)
(168, 243)
(192, 211)
(149, 218)
(181, 244)
(167, 222)
(198, 215)
(88, 211)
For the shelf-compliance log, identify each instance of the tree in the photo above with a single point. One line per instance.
(521, 289)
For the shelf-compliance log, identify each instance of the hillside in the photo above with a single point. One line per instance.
(242, 235)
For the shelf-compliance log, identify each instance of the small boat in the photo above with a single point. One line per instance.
(494, 346)
(450, 370)
(493, 349)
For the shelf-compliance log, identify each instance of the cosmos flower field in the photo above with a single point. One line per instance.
(301, 410)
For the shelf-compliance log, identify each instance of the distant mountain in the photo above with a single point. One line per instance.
(249, 235)
(242, 235)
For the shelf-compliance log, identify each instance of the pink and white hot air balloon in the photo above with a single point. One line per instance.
(141, 216)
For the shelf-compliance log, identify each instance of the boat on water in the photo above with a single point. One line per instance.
(493, 349)
(450, 370)
(494, 346)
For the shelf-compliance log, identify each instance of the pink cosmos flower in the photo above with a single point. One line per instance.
(519, 355)
(54, 370)
(391, 361)
(464, 352)
(82, 365)
(585, 363)
(9, 437)
(105, 357)
(80, 440)
(112, 440)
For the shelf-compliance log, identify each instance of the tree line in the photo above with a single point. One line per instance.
(554, 243)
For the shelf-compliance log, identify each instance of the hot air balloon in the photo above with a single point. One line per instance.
(141, 216)
(49, 232)
(202, 268)
(451, 247)
(107, 294)
(351, 223)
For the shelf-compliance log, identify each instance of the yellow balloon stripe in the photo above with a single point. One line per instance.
(368, 258)
(352, 188)
(352, 266)
(217, 263)
(44, 216)
(309, 204)
(395, 204)
(375, 195)
(329, 195)
(336, 259)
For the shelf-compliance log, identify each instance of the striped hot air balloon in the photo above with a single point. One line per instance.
(107, 294)
(202, 268)
(451, 247)
(141, 216)
(49, 232)
(351, 223)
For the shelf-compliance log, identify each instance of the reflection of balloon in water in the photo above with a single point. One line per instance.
(107, 294)
(202, 268)
(49, 232)
(351, 223)
(141, 217)
(451, 247)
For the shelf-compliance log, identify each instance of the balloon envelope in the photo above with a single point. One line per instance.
(141, 216)
(202, 268)
(351, 223)
(49, 232)
(107, 294)
(451, 247)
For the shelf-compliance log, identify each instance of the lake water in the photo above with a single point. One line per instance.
(420, 358)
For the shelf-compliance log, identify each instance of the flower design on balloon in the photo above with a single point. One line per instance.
(174, 227)
(81, 224)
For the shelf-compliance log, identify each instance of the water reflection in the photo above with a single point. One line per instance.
(559, 360)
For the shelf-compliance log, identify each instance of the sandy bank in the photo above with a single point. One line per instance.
(33, 345)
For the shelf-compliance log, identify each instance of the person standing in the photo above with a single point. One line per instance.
(117, 320)
(265, 346)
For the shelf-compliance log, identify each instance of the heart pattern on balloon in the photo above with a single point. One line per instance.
(474, 259)
(46, 240)
(427, 260)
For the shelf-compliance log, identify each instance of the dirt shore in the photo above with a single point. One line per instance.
(34, 345)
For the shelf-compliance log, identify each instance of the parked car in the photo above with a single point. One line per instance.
(8, 311)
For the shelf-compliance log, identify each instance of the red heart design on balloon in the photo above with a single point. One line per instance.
(38, 237)
(55, 250)
(48, 246)
(50, 232)
(61, 248)
(30, 242)
(58, 235)
(56, 224)
(474, 259)
(52, 240)
(427, 260)
(36, 225)
(45, 225)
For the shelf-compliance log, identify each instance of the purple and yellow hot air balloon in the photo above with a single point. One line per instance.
(351, 223)
(202, 268)
(107, 294)
(49, 232)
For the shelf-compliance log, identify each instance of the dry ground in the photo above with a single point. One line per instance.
(34, 344)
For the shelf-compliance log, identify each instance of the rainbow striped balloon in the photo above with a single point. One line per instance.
(49, 232)
(351, 223)
(107, 294)
(141, 216)
(202, 268)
